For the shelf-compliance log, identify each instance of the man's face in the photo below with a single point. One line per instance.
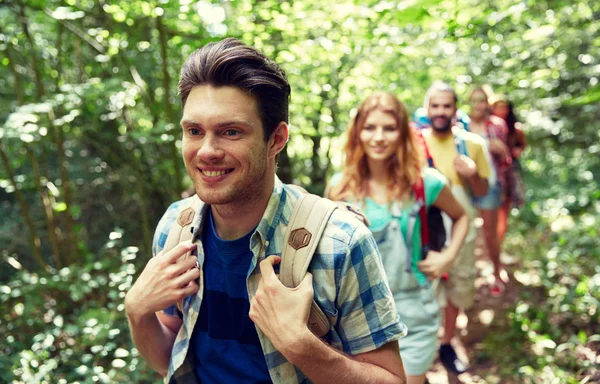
(223, 148)
(441, 110)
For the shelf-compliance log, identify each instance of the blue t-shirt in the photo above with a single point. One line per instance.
(224, 342)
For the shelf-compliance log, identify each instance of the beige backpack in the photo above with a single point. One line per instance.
(308, 221)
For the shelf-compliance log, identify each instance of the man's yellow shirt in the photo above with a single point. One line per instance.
(443, 151)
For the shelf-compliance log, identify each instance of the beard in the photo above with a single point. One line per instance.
(445, 127)
(242, 189)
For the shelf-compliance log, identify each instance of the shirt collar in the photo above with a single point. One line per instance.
(279, 208)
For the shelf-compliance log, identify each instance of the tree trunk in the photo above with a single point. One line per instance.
(13, 69)
(70, 240)
(142, 190)
(59, 53)
(48, 213)
(78, 61)
(175, 157)
(33, 237)
(284, 167)
(39, 84)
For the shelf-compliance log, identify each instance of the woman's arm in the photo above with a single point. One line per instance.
(498, 148)
(437, 263)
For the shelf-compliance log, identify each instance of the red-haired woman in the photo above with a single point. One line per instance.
(382, 166)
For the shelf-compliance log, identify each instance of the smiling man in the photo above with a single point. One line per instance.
(468, 176)
(238, 323)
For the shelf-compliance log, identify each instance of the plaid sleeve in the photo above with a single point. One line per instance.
(163, 228)
(159, 240)
(499, 128)
(367, 313)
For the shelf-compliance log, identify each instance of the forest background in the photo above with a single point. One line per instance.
(90, 141)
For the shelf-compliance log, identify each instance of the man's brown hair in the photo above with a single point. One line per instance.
(230, 62)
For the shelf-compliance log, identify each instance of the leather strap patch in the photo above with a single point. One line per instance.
(299, 238)
(185, 217)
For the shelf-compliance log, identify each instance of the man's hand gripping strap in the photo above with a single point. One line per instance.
(307, 223)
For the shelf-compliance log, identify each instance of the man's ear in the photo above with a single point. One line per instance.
(278, 139)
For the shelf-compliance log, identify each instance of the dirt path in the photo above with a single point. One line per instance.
(488, 314)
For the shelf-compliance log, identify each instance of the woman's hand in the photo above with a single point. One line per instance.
(499, 148)
(436, 263)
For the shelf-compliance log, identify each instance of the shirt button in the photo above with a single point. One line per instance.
(267, 243)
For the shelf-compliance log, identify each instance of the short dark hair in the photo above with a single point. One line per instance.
(230, 62)
(439, 86)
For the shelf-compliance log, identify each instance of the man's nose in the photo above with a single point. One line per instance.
(210, 149)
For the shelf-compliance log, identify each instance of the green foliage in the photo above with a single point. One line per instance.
(89, 128)
(69, 325)
(556, 320)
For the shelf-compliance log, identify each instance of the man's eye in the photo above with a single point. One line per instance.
(231, 132)
(194, 131)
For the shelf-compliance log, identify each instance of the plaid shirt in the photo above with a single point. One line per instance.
(348, 279)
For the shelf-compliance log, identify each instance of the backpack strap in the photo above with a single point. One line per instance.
(308, 221)
(423, 143)
(182, 230)
(461, 146)
(419, 190)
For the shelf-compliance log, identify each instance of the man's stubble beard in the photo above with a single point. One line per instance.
(444, 129)
(242, 193)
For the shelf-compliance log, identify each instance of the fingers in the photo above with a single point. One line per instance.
(177, 269)
(424, 266)
(190, 289)
(175, 261)
(428, 269)
(306, 285)
(308, 280)
(266, 266)
(180, 249)
(188, 276)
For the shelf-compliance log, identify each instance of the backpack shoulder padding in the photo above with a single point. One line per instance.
(308, 221)
(181, 230)
(309, 218)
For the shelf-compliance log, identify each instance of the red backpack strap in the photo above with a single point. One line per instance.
(423, 143)
(419, 190)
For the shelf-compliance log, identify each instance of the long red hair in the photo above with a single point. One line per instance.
(403, 167)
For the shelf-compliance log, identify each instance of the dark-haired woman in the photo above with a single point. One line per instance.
(515, 138)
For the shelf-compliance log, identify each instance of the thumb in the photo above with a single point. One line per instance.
(306, 282)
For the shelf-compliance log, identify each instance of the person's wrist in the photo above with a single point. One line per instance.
(473, 177)
(296, 345)
(134, 313)
(451, 255)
